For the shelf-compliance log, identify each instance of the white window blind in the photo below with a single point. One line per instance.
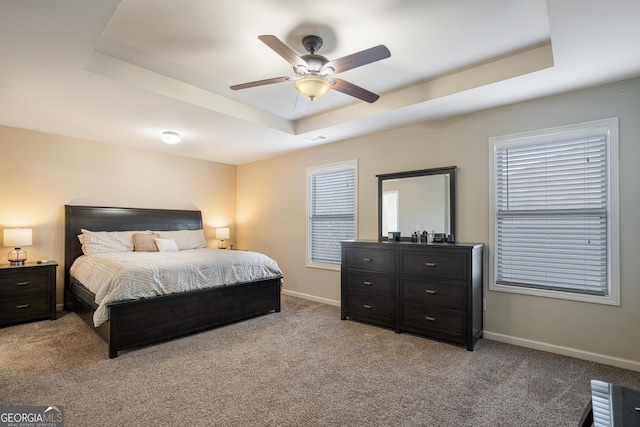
(332, 208)
(551, 215)
(602, 403)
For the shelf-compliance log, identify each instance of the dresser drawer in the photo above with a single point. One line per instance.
(437, 264)
(366, 306)
(433, 319)
(425, 292)
(370, 259)
(23, 281)
(371, 283)
(26, 307)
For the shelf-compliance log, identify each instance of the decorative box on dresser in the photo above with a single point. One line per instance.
(27, 292)
(430, 289)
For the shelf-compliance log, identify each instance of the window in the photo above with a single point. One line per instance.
(331, 192)
(554, 219)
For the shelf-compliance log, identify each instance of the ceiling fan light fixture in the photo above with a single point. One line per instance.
(312, 87)
(171, 137)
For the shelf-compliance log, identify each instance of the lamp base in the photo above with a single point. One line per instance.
(17, 257)
(222, 245)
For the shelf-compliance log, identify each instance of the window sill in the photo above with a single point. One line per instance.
(334, 267)
(594, 299)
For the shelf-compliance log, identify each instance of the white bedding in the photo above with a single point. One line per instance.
(120, 276)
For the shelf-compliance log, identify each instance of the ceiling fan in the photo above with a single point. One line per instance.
(313, 72)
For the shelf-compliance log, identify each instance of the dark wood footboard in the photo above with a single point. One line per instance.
(147, 321)
(136, 323)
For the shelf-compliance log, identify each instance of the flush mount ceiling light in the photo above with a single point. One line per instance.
(171, 137)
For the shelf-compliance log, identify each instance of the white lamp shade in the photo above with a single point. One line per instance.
(222, 233)
(18, 237)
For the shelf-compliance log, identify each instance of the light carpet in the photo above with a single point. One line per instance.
(300, 367)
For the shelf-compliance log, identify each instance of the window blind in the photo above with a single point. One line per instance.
(601, 403)
(551, 215)
(331, 212)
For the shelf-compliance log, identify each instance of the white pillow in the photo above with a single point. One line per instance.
(95, 242)
(186, 239)
(166, 245)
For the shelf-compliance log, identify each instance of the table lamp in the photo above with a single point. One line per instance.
(17, 237)
(222, 234)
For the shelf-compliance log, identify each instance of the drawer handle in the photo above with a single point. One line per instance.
(22, 283)
(431, 264)
(431, 319)
(19, 306)
(367, 259)
(368, 307)
(431, 291)
(367, 283)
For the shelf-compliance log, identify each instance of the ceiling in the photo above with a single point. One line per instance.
(124, 71)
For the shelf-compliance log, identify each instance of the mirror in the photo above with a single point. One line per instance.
(422, 199)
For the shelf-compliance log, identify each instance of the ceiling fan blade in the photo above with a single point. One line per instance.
(284, 51)
(358, 59)
(261, 83)
(353, 90)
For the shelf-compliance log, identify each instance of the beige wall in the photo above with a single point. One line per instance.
(40, 173)
(271, 214)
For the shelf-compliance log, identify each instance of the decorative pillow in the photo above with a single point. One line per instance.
(95, 242)
(144, 242)
(166, 245)
(186, 239)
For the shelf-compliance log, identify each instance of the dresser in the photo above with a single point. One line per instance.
(27, 292)
(430, 289)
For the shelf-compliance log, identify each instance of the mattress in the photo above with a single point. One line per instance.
(120, 276)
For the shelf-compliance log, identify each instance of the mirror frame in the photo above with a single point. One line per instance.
(448, 170)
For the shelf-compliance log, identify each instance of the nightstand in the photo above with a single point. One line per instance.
(27, 292)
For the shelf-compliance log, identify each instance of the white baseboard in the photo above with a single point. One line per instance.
(311, 297)
(59, 307)
(565, 351)
(536, 345)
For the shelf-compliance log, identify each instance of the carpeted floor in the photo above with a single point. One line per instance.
(301, 367)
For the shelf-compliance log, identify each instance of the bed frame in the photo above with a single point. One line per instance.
(135, 323)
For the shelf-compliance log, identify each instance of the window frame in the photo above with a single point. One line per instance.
(327, 168)
(556, 134)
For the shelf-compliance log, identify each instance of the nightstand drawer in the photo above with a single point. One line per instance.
(435, 264)
(425, 292)
(27, 307)
(23, 281)
(370, 283)
(27, 292)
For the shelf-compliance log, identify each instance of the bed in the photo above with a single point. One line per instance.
(137, 322)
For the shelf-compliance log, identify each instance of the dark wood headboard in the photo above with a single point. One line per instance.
(119, 219)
